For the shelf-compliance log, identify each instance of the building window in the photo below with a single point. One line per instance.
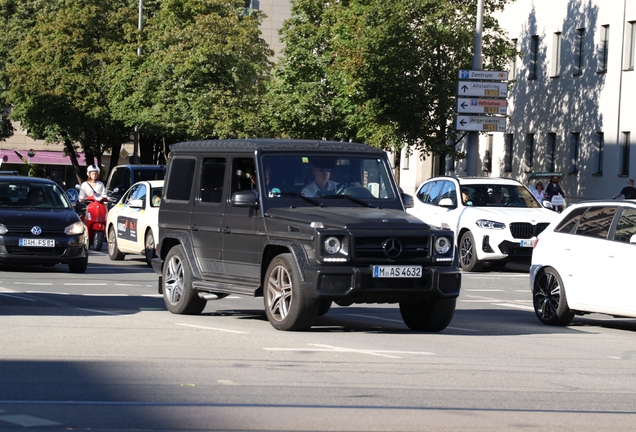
(508, 153)
(578, 46)
(574, 152)
(603, 49)
(529, 151)
(488, 155)
(624, 171)
(556, 55)
(534, 52)
(551, 151)
(600, 144)
(512, 73)
(630, 46)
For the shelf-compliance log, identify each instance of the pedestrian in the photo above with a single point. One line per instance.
(554, 189)
(628, 191)
(539, 192)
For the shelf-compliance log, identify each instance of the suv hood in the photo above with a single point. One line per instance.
(510, 214)
(26, 217)
(348, 217)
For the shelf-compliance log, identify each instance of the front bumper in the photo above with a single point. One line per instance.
(67, 249)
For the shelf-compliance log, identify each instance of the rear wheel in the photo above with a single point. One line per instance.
(432, 315)
(178, 294)
(98, 240)
(113, 251)
(149, 250)
(468, 254)
(549, 300)
(286, 305)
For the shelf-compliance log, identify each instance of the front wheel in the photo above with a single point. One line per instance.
(98, 240)
(287, 306)
(113, 250)
(432, 315)
(178, 294)
(149, 250)
(468, 254)
(549, 300)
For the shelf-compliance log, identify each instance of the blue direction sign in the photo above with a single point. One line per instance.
(483, 75)
(481, 106)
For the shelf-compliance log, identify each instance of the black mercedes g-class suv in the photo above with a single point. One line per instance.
(303, 224)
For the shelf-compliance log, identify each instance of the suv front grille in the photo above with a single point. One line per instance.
(413, 247)
(525, 230)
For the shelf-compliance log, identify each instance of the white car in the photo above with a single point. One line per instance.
(131, 226)
(495, 220)
(582, 263)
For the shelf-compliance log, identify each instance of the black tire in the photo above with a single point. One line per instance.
(113, 251)
(98, 240)
(468, 254)
(324, 307)
(149, 248)
(287, 306)
(79, 266)
(178, 294)
(549, 300)
(432, 315)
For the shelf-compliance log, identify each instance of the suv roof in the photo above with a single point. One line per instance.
(478, 180)
(248, 145)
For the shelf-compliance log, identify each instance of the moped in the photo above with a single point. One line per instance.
(95, 220)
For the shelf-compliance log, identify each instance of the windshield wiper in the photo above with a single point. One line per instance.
(350, 198)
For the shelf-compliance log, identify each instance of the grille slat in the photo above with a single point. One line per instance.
(526, 230)
(412, 247)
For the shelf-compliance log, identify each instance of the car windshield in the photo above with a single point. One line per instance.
(353, 178)
(25, 193)
(495, 195)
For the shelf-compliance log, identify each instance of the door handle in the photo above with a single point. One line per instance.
(194, 228)
(227, 230)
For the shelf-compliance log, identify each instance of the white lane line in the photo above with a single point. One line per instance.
(152, 295)
(48, 292)
(333, 349)
(27, 420)
(33, 283)
(211, 328)
(84, 284)
(515, 306)
(18, 297)
(463, 329)
(129, 285)
(2, 289)
(482, 290)
(374, 317)
(100, 311)
(480, 301)
(227, 382)
(104, 295)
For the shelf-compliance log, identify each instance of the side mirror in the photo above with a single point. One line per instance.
(407, 200)
(246, 198)
(632, 239)
(547, 204)
(136, 203)
(446, 203)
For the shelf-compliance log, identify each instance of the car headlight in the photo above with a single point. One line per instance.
(332, 245)
(488, 224)
(74, 229)
(3, 229)
(442, 245)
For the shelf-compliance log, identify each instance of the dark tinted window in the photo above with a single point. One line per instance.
(212, 174)
(626, 226)
(149, 174)
(180, 182)
(596, 222)
(243, 175)
(435, 193)
(120, 179)
(568, 224)
(422, 195)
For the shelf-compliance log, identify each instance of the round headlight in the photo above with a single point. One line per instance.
(3, 229)
(442, 245)
(332, 245)
(74, 229)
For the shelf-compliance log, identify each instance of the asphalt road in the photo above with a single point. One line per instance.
(100, 352)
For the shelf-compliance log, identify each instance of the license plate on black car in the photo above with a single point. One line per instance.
(37, 242)
(397, 271)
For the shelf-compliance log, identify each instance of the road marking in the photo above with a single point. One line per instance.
(129, 285)
(515, 306)
(333, 349)
(152, 295)
(480, 301)
(227, 382)
(84, 284)
(482, 290)
(100, 311)
(105, 295)
(33, 283)
(48, 292)
(27, 420)
(374, 317)
(464, 329)
(211, 328)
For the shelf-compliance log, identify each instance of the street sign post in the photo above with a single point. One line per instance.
(483, 75)
(481, 106)
(482, 88)
(480, 123)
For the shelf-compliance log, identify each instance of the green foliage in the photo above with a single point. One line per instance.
(379, 72)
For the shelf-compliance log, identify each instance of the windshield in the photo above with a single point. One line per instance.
(327, 176)
(489, 195)
(25, 193)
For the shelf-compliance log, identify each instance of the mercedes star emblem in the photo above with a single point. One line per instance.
(392, 248)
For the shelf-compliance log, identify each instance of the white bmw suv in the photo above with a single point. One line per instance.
(495, 220)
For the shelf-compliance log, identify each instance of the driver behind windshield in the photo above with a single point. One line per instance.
(321, 170)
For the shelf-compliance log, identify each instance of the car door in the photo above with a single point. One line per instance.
(129, 240)
(618, 292)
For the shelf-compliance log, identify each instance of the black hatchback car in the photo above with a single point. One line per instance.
(38, 225)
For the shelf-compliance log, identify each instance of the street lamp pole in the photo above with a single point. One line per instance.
(135, 155)
(472, 152)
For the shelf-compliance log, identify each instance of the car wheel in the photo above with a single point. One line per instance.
(178, 294)
(286, 305)
(149, 250)
(113, 251)
(432, 315)
(79, 266)
(324, 307)
(550, 302)
(468, 254)
(98, 240)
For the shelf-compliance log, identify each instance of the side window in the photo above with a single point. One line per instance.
(422, 194)
(140, 193)
(212, 175)
(449, 191)
(596, 222)
(180, 180)
(243, 174)
(118, 179)
(435, 193)
(626, 226)
(568, 224)
(131, 194)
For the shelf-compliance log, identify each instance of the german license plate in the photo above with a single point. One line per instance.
(37, 242)
(527, 243)
(397, 271)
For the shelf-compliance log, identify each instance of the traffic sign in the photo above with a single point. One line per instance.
(483, 75)
(480, 123)
(481, 106)
(482, 88)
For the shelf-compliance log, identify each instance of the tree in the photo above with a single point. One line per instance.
(380, 72)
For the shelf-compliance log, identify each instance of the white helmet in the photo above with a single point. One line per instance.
(92, 168)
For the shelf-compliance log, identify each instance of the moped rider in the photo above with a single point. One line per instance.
(92, 187)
